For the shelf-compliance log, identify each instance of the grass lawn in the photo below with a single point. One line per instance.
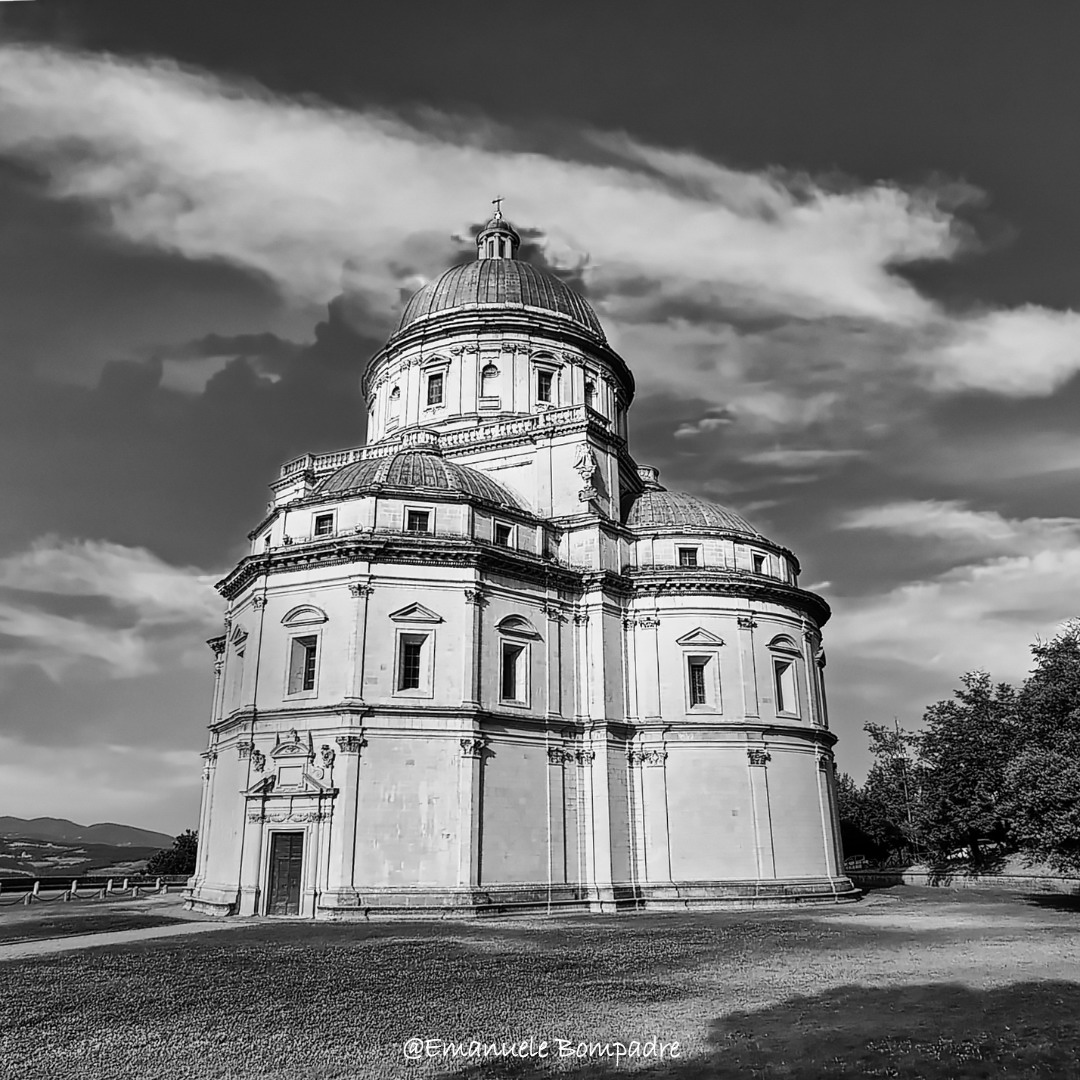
(910, 983)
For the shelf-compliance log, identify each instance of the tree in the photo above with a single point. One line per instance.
(1045, 805)
(891, 788)
(1043, 781)
(179, 859)
(875, 819)
(964, 750)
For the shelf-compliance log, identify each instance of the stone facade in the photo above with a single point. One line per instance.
(486, 663)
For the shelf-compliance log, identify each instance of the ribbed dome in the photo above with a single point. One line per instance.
(659, 508)
(416, 473)
(506, 282)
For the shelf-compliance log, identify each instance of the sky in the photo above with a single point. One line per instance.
(837, 243)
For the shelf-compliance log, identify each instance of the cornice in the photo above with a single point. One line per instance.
(401, 548)
(673, 581)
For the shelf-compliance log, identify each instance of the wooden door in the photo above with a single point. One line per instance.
(286, 863)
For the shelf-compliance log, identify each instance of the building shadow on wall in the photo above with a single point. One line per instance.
(934, 1031)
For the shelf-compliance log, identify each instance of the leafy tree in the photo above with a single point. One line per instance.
(875, 819)
(891, 790)
(179, 859)
(964, 750)
(1043, 782)
(865, 827)
(1045, 803)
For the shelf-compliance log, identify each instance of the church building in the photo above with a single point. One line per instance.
(487, 663)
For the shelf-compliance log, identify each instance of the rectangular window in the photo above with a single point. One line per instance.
(410, 660)
(503, 534)
(688, 556)
(302, 664)
(512, 663)
(435, 389)
(787, 697)
(417, 521)
(324, 524)
(759, 562)
(698, 695)
(543, 385)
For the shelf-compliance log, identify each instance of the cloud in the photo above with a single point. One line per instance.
(294, 190)
(904, 646)
(1025, 352)
(153, 788)
(148, 613)
(801, 459)
(951, 522)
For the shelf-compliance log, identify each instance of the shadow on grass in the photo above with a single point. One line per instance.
(937, 1031)
(1054, 901)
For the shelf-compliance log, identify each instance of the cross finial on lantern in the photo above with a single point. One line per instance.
(497, 202)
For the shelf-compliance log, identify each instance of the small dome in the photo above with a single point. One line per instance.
(658, 508)
(507, 283)
(419, 474)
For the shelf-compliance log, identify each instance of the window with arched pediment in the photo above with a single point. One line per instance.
(785, 665)
(234, 686)
(516, 635)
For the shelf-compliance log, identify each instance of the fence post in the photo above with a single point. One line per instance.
(108, 886)
(37, 887)
(124, 888)
(74, 889)
(158, 886)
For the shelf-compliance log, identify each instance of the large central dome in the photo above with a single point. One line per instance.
(507, 283)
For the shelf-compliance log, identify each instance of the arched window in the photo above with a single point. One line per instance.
(516, 635)
(785, 658)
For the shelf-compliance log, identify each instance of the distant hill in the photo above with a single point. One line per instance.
(62, 831)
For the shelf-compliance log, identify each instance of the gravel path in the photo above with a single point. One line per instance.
(22, 949)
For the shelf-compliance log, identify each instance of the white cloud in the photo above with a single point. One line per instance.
(801, 459)
(1021, 579)
(186, 162)
(1025, 352)
(149, 613)
(953, 523)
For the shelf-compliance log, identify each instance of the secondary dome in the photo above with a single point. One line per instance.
(496, 282)
(416, 473)
(658, 508)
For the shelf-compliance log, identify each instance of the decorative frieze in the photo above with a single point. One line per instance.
(559, 755)
(258, 760)
(327, 754)
(585, 757)
(244, 749)
(581, 618)
(358, 589)
(746, 622)
(475, 596)
(281, 817)
(757, 756)
(258, 602)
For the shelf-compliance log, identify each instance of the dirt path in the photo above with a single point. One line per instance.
(42, 946)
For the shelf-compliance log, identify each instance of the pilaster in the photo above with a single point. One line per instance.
(758, 759)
